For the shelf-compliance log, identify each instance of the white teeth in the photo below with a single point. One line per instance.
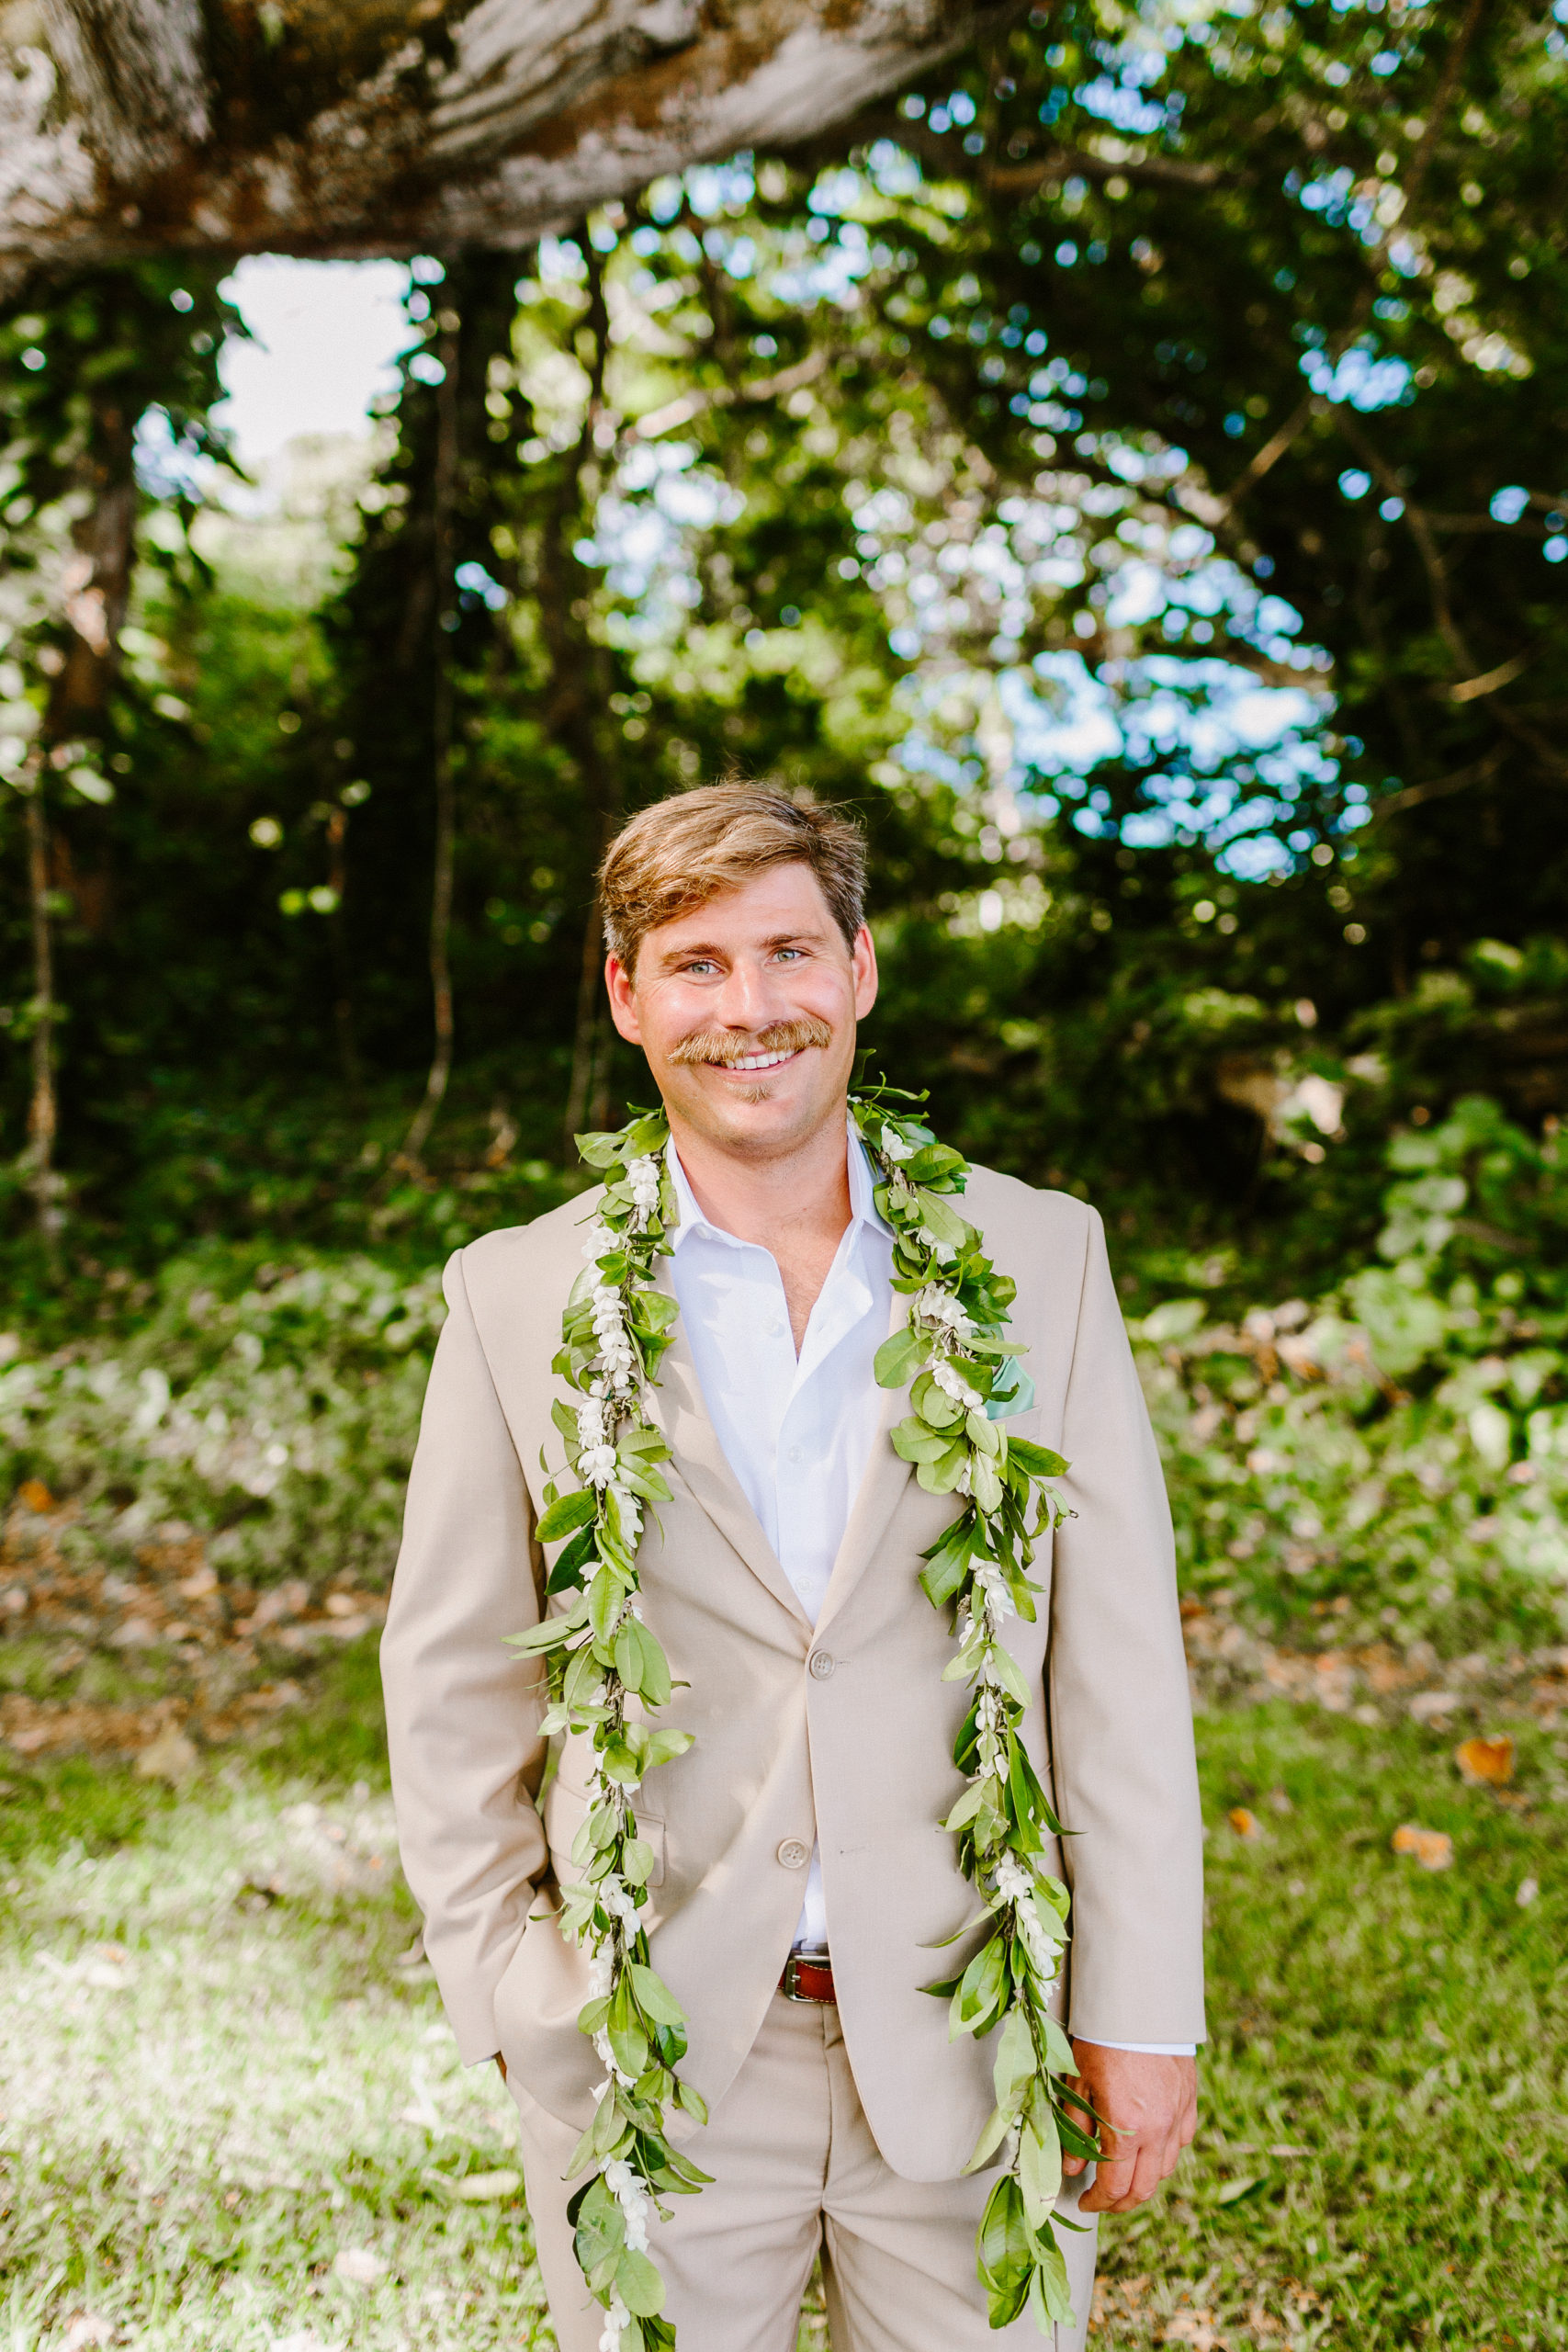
(761, 1061)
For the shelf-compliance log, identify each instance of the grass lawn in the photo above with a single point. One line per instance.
(231, 2119)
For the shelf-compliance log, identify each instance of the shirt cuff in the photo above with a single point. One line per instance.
(1149, 2048)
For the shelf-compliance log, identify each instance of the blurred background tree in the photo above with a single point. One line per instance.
(1125, 468)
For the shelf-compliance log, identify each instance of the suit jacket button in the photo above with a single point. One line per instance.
(821, 1664)
(794, 1855)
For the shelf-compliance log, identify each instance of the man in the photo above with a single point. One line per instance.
(781, 1582)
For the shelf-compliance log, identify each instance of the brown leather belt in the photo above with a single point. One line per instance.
(807, 1976)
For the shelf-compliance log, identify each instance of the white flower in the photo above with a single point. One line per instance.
(894, 1147)
(630, 2192)
(596, 1464)
(617, 1900)
(951, 1383)
(608, 2059)
(938, 1305)
(590, 1422)
(616, 2318)
(940, 1250)
(1015, 1887)
(998, 1601)
(601, 1239)
(642, 1175)
(601, 1974)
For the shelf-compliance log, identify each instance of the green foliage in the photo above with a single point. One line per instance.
(272, 1409)
(1397, 1454)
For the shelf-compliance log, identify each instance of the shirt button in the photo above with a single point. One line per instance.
(794, 1855)
(821, 1664)
(795, 1453)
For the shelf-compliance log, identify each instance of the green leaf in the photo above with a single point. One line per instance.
(692, 2099)
(940, 1478)
(1013, 2067)
(913, 1442)
(641, 2288)
(654, 1996)
(899, 1358)
(605, 1595)
(1036, 1459)
(1050, 2299)
(989, 2141)
(550, 1634)
(1039, 2174)
(979, 1991)
(570, 1511)
(637, 1859)
(597, 1149)
(664, 1745)
(938, 1219)
(1004, 2256)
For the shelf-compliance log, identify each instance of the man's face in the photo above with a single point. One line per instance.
(747, 1012)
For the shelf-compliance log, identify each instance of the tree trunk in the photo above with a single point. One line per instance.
(409, 127)
(443, 537)
(580, 689)
(42, 1179)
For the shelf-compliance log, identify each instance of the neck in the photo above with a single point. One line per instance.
(798, 1196)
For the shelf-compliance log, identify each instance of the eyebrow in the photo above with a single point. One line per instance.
(802, 937)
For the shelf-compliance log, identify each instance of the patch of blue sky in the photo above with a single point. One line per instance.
(1121, 104)
(836, 193)
(737, 257)
(713, 188)
(1222, 731)
(1362, 377)
(918, 755)
(895, 172)
(832, 275)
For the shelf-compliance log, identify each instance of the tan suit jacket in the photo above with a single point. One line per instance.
(842, 1735)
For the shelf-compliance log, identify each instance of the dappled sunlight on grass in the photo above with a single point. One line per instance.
(234, 2119)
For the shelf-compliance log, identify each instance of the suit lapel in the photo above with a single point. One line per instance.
(676, 1404)
(881, 1491)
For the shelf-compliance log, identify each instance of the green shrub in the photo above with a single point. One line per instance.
(270, 1408)
(1395, 1456)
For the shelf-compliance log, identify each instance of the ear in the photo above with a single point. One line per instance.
(623, 1000)
(863, 962)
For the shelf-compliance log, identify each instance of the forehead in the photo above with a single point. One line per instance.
(787, 900)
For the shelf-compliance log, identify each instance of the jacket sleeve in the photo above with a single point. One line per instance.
(1122, 1756)
(463, 1711)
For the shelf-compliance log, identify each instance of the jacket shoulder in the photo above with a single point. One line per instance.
(1046, 1215)
(514, 1252)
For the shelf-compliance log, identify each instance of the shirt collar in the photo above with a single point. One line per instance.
(862, 1204)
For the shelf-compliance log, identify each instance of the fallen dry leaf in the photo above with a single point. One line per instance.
(34, 1495)
(171, 1757)
(1528, 1889)
(358, 2266)
(1487, 1762)
(1196, 2328)
(1244, 1823)
(1433, 1849)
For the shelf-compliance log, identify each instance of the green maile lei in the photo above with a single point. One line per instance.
(600, 1657)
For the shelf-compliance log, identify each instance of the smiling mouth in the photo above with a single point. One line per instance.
(761, 1061)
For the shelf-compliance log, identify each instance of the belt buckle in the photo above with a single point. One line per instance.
(790, 1980)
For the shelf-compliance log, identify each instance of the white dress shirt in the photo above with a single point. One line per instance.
(798, 1431)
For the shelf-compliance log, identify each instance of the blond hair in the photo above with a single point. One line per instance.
(675, 856)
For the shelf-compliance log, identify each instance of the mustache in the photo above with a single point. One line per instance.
(726, 1047)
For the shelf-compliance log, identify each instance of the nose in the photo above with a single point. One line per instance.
(749, 998)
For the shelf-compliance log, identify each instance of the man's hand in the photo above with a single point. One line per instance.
(1150, 2106)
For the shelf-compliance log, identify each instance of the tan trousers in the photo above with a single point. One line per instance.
(797, 2172)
